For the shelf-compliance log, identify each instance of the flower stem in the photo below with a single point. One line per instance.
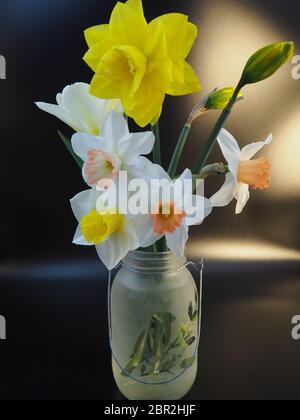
(216, 131)
(161, 245)
(157, 147)
(179, 150)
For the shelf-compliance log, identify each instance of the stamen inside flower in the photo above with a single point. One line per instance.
(167, 218)
(255, 173)
(101, 166)
(96, 227)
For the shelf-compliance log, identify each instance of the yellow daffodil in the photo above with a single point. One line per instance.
(140, 62)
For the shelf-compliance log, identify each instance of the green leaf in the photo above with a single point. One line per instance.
(187, 363)
(138, 354)
(189, 341)
(67, 143)
(191, 311)
(196, 299)
(169, 364)
(165, 319)
(168, 319)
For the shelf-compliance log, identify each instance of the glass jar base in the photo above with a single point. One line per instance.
(137, 391)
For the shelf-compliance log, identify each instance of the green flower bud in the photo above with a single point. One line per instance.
(265, 62)
(219, 99)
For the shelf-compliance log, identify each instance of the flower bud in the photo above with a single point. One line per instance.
(265, 62)
(219, 99)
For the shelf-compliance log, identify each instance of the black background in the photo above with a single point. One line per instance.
(53, 293)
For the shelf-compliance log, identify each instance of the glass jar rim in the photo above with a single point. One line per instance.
(153, 262)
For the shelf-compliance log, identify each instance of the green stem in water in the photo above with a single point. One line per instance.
(216, 131)
(157, 147)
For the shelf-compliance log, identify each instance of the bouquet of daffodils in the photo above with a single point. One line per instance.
(132, 202)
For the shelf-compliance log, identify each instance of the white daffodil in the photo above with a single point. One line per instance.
(243, 172)
(80, 110)
(113, 234)
(174, 208)
(116, 150)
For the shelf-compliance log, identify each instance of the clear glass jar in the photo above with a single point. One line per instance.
(154, 326)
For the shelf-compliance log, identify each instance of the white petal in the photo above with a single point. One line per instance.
(203, 208)
(226, 194)
(250, 150)
(177, 241)
(82, 204)
(79, 239)
(230, 150)
(79, 103)
(136, 145)
(186, 175)
(61, 114)
(144, 231)
(80, 110)
(115, 128)
(115, 249)
(242, 195)
(143, 168)
(82, 143)
(180, 187)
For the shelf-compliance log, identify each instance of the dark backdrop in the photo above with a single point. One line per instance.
(43, 45)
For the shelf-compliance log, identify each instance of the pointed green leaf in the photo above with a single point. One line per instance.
(187, 363)
(138, 354)
(67, 143)
(191, 311)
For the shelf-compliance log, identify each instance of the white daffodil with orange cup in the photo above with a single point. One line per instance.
(244, 172)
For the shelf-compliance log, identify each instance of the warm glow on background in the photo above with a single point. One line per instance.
(223, 47)
(237, 249)
(285, 157)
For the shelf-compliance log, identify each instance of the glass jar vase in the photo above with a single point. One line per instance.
(154, 320)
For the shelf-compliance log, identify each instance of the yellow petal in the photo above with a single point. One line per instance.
(137, 64)
(190, 84)
(190, 38)
(145, 105)
(180, 37)
(149, 107)
(112, 77)
(120, 71)
(180, 34)
(159, 63)
(95, 33)
(128, 26)
(136, 5)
